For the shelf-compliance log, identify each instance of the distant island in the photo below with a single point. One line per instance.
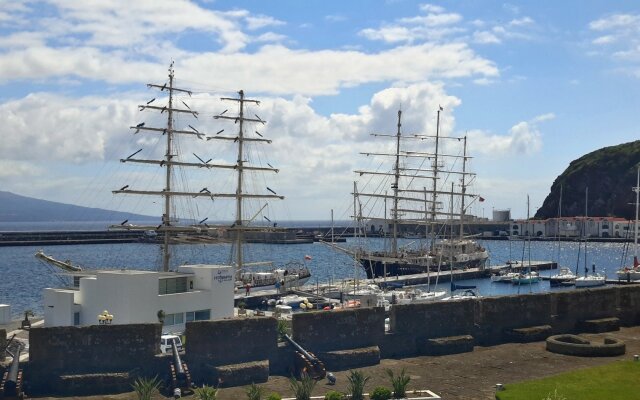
(609, 173)
(16, 208)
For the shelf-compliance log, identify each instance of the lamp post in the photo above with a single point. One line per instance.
(105, 318)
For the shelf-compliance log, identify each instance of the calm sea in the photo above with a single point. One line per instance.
(23, 277)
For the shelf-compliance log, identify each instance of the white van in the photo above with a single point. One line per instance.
(165, 343)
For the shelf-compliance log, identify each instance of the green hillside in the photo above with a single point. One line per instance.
(610, 175)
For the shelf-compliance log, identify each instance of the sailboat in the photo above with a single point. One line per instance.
(633, 273)
(414, 204)
(564, 276)
(592, 279)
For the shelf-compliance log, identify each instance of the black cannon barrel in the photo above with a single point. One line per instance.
(11, 384)
(301, 350)
(176, 359)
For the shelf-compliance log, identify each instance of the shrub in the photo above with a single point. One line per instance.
(399, 383)
(255, 392)
(283, 329)
(206, 393)
(146, 387)
(357, 381)
(274, 396)
(333, 395)
(381, 393)
(302, 390)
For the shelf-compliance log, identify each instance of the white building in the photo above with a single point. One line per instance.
(194, 292)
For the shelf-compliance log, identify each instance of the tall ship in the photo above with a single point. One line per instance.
(422, 189)
(231, 184)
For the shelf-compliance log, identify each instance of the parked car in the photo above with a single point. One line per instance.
(165, 343)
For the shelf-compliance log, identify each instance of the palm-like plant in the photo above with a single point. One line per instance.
(146, 387)
(357, 381)
(399, 383)
(302, 389)
(206, 393)
(255, 392)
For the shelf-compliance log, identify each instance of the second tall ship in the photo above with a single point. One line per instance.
(418, 181)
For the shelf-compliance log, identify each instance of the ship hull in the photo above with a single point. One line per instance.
(379, 269)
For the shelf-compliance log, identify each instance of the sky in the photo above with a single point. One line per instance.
(533, 85)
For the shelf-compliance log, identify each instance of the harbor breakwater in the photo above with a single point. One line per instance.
(106, 359)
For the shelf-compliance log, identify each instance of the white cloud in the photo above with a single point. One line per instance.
(524, 138)
(618, 37)
(262, 21)
(335, 18)
(485, 37)
(431, 8)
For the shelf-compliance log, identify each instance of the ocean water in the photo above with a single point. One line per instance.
(23, 277)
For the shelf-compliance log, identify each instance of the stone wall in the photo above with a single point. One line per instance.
(496, 315)
(231, 341)
(629, 305)
(232, 351)
(3, 343)
(247, 349)
(571, 307)
(339, 330)
(112, 348)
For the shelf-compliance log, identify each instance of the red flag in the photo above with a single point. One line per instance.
(481, 199)
(635, 262)
(307, 257)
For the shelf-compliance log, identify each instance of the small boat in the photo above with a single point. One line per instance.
(467, 294)
(526, 278)
(591, 280)
(563, 277)
(414, 296)
(506, 277)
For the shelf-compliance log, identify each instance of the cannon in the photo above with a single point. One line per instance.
(11, 384)
(307, 362)
(179, 372)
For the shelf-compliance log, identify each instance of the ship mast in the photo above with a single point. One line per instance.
(435, 182)
(166, 217)
(394, 240)
(170, 160)
(167, 162)
(240, 167)
(464, 186)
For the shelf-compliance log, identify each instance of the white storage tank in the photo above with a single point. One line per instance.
(501, 215)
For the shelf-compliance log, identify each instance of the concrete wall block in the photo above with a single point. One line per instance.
(231, 341)
(339, 330)
(396, 345)
(3, 343)
(629, 305)
(497, 315)
(341, 360)
(436, 319)
(584, 304)
(110, 348)
(240, 374)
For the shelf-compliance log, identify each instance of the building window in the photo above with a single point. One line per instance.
(190, 316)
(174, 319)
(202, 315)
(76, 318)
(173, 285)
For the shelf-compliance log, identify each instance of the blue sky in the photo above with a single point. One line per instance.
(534, 85)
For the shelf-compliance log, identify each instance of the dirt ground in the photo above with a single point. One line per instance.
(467, 376)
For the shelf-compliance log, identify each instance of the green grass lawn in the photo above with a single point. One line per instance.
(618, 380)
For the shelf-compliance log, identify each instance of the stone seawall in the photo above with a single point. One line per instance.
(247, 349)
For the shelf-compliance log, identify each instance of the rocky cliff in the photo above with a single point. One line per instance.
(608, 173)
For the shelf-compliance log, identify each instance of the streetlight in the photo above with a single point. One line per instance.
(105, 318)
